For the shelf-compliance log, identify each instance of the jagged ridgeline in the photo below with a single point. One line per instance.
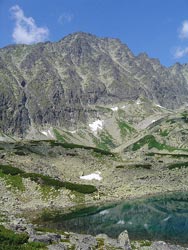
(76, 81)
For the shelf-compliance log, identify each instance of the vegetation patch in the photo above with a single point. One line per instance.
(73, 146)
(14, 181)
(15, 175)
(164, 132)
(104, 142)
(167, 154)
(100, 243)
(178, 165)
(7, 169)
(125, 128)
(185, 116)
(13, 241)
(146, 166)
(58, 136)
(44, 180)
(152, 143)
(48, 192)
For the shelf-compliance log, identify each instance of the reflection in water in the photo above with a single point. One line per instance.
(160, 218)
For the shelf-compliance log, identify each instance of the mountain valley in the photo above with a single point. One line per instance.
(83, 121)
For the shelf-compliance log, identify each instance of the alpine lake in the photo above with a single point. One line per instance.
(162, 217)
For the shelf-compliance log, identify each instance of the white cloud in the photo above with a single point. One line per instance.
(181, 52)
(65, 17)
(26, 30)
(183, 32)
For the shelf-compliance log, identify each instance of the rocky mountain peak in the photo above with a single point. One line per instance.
(59, 83)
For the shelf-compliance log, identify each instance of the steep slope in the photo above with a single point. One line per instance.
(59, 84)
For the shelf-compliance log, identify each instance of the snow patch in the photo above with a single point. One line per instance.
(104, 212)
(44, 133)
(48, 133)
(96, 125)
(114, 108)
(138, 102)
(167, 218)
(160, 106)
(73, 131)
(121, 222)
(153, 121)
(93, 176)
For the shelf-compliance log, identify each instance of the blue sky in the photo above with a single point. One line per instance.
(157, 27)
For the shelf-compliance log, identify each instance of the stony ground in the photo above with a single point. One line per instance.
(132, 177)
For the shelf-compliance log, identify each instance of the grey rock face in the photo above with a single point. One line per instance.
(56, 83)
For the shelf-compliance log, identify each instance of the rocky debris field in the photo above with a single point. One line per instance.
(40, 175)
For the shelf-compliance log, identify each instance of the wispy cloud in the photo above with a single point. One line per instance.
(26, 31)
(183, 31)
(65, 18)
(180, 52)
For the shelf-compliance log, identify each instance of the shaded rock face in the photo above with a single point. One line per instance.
(57, 83)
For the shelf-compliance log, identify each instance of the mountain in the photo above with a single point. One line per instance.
(62, 84)
(84, 121)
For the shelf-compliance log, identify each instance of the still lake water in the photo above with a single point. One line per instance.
(163, 217)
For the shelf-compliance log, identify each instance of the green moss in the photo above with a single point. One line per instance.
(14, 181)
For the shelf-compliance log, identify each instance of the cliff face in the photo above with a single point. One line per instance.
(57, 84)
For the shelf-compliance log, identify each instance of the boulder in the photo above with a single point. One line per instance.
(48, 238)
(83, 242)
(123, 240)
(121, 243)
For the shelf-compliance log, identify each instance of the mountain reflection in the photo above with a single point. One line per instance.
(163, 217)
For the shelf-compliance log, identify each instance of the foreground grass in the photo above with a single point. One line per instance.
(12, 241)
